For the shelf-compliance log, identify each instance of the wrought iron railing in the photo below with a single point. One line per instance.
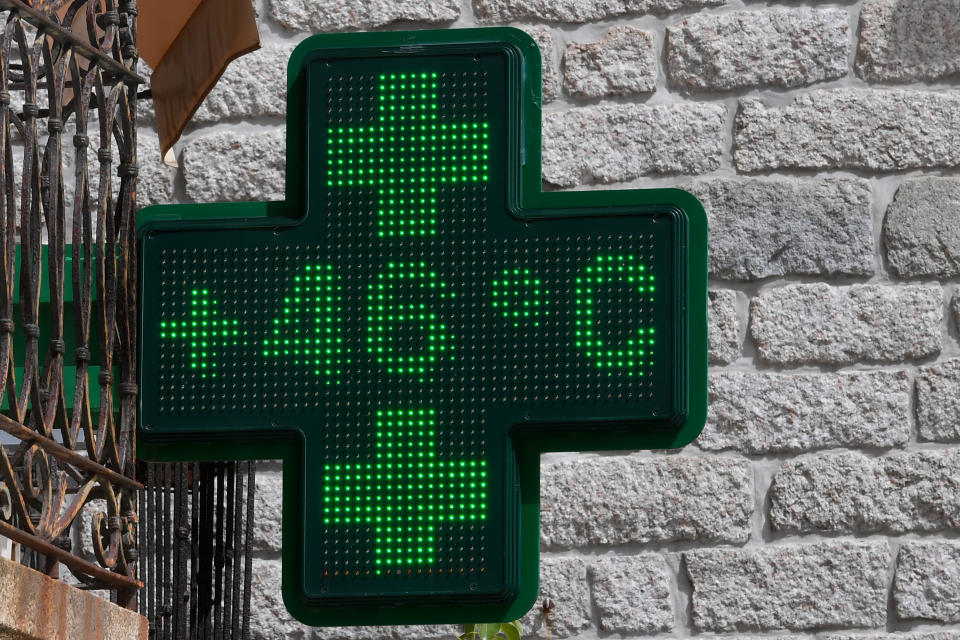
(68, 167)
(196, 531)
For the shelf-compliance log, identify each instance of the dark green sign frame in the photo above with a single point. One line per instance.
(516, 279)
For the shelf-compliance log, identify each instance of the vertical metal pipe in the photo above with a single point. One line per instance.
(247, 546)
(205, 574)
(229, 549)
(165, 611)
(157, 551)
(194, 549)
(219, 556)
(149, 519)
(161, 549)
(174, 538)
(237, 523)
(142, 599)
(181, 600)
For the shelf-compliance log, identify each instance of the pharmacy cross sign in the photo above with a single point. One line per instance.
(416, 323)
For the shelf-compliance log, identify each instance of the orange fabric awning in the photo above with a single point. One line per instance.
(189, 43)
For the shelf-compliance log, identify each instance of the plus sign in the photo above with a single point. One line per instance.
(205, 334)
(405, 492)
(408, 154)
(420, 322)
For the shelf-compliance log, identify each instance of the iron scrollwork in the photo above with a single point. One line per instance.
(68, 280)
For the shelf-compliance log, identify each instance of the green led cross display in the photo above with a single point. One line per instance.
(408, 154)
(406, 491)
(416, 323)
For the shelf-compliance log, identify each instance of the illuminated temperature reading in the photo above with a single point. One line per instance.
(316, 301)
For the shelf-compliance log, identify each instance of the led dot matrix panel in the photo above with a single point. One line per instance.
(416, 323)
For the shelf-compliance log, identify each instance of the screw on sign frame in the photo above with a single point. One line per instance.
(415, 324)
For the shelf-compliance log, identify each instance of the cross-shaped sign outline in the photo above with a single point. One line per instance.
(526, 201)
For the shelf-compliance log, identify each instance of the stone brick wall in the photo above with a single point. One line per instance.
(824, 139)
